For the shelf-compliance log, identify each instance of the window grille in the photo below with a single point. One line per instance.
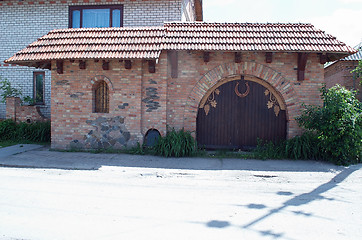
(101, 98)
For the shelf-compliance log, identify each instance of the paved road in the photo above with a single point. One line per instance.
(54, 195)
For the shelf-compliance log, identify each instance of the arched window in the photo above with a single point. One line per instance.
(101, 97)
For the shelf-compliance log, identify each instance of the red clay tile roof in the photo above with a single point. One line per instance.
(94, 43)
(148, 42)
(273, 37)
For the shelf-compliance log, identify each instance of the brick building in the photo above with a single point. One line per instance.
(24, 21)
(339, 72)
(229, 83)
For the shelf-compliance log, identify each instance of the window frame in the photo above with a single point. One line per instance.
(101, 99)
(80, 8)
(34, 87)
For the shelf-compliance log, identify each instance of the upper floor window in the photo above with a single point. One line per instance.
(39, 78)
(96, 16)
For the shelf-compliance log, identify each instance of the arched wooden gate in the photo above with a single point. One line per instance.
(236, 112)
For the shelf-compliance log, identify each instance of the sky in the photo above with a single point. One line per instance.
(340, 18)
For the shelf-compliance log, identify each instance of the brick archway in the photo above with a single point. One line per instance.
(230, 70)
(99, 78)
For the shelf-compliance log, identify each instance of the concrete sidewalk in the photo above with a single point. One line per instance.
(37, 156)
(19, 148)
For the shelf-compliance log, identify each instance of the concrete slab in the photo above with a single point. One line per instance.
(19, 148)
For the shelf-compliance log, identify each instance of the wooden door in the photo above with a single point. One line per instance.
(235, 114)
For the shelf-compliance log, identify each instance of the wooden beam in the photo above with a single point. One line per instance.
(37, 64)
(59, 67)
(268, 57)
(82, 64)
(105, 65)
(45, 65)
(238, 57)
(323, 58)
(151, 66)
(128, 64)
(206, 57)
(173, 61)
(302, 62)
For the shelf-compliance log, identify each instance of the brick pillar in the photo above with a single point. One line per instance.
(12, 103)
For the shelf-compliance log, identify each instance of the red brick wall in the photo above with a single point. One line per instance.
(140, 100)
(20, 113)
(340, 73)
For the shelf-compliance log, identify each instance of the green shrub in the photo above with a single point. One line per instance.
(176, 144)
(34, 132)
(7, 129)
(337, 124)
(305, 146)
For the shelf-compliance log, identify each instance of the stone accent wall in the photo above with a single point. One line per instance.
(140, 100)
(340, 73)
(20, 113)
(22, 22)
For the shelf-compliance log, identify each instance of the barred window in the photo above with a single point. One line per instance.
(101, 97)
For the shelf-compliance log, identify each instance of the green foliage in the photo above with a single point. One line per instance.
(338, 125)
(29, 100)
(34, 132)
(138, 150)
(176, 144)
(7, 129)
(306, 146)
(8, 91)
(358, 70)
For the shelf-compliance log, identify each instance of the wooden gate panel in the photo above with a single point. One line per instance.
(237, 113)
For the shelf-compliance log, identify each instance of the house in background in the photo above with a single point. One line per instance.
(24, 21)
(228, 83)
(339, 72)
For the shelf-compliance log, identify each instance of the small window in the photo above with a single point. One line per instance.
(38, 92)
(101, 97)
(95, 16)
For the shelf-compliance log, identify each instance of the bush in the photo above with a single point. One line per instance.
(337, 124)
(7, 129)
(34, 132)
(176, 144)
(306, 146)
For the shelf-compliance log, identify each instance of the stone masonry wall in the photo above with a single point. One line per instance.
(140, 100)
(22, 22)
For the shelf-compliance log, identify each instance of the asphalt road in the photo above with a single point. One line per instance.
(54, 195)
